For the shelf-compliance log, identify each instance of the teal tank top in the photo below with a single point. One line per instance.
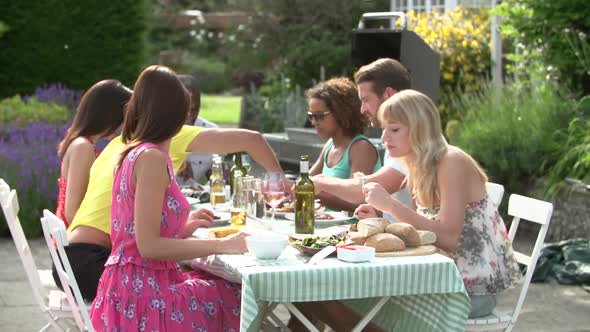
(342, 169)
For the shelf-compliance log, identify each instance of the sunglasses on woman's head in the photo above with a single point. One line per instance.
(317, 116)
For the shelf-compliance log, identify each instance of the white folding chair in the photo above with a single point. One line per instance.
(495, 192)
(520, 207)
(50, 301)
(53, 227)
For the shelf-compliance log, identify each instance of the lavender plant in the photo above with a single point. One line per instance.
(29, 164)
(57, 94)
(29, 133)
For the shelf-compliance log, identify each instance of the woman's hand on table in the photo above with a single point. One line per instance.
(201, 218)
(204, 214)
(234, 244)
(365, 211)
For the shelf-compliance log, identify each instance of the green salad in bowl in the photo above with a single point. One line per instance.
(310, 245)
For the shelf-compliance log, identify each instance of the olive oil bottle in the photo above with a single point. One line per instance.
(304, 199)
(216, 182)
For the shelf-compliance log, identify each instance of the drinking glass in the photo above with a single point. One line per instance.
(273, 190)
(258, 198)
(239, 203)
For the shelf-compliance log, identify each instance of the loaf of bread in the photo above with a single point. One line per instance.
(406, 232)
(222, 232)
(383, 242)
(371, 226)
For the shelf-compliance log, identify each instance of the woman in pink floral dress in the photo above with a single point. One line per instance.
(448, 188)
(142, 287)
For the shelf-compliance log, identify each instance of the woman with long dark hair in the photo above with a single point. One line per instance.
(99, 115)
(142, 287)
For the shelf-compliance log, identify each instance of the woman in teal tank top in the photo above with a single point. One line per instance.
(342, 169)
(335, 112)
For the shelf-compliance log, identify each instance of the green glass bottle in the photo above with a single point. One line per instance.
(304, 199)
(237, 170)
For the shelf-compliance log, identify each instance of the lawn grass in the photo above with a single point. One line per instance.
(221, 109)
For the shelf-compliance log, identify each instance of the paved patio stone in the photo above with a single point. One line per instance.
(548, 307)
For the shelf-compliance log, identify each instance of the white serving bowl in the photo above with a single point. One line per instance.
(266, 246)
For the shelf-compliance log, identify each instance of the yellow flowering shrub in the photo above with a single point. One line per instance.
(462, 38)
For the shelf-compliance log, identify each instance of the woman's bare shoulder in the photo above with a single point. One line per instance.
(80, 147)
(454, 159)
(362, 147)
(151, 155)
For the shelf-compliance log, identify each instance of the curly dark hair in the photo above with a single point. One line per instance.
(341, 97)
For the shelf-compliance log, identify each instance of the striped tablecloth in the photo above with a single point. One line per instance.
(427, 291)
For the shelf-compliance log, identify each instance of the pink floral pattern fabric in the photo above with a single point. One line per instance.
(484, 254)
(140, 294)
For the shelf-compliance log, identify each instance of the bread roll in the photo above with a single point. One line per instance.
(427, 237)
(371, 226)
(383, 242)
(356, 238)
(406, 232)
(222, 232)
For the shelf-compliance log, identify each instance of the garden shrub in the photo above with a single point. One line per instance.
(574, 153)
(462, 39)
(211, 74)
(72, 42)
(273, 111)
(514, 134)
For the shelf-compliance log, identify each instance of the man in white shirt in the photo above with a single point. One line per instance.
(376, 82)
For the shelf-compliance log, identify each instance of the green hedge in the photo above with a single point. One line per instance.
(69, 41)
(15, 111)
(514, 134)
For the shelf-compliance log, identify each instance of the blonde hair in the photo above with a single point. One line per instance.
(416, 111)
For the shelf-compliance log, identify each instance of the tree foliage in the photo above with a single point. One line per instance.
(72, 42)
(549, 33)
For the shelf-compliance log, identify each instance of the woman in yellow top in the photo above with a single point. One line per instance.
(88, 234)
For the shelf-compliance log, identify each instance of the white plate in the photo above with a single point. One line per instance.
(284, 214)
(224, 217)
(192, 200)
(339, 217)
(279, 214)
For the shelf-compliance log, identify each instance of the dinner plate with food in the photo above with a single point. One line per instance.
(326, 218)
(287, 208)
(220, 218)
(192, 200)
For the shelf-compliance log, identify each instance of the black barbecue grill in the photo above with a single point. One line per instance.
(403, 45)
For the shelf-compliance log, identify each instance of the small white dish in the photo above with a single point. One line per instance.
(266, 246)
(354, 253)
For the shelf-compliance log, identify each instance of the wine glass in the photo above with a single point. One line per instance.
(273, 190)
